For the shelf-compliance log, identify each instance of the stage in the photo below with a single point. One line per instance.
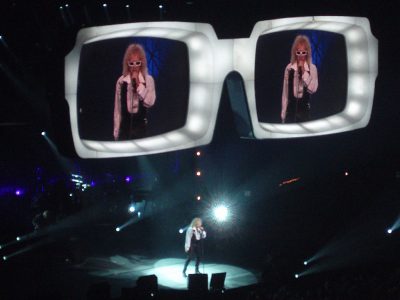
(168, 270)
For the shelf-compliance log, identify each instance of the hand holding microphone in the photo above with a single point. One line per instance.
(134, 83)
(300, 70)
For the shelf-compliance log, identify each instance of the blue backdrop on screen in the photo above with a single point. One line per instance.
(272, 57)
(101, 65)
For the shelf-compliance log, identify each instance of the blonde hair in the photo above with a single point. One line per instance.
(194, 222)
(134, 49)
(301, 39)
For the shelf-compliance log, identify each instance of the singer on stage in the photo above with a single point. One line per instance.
(134, 94)
(193, 243)
(300, 82)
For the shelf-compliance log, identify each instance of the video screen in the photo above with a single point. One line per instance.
(153, 87)
(300, 76)
(132, 88)
(312, 76)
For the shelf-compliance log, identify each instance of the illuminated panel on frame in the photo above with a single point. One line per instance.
(359, 53)
(196, 100)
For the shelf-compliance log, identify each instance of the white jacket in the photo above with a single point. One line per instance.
(309, 80)
(197, 232)
(145, 91)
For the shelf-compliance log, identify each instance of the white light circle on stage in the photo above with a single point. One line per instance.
(168, 270)
(169, 273)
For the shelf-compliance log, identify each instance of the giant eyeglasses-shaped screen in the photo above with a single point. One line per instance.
(143, 88)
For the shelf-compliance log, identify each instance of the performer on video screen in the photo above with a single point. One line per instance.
(300, 82)
(134, 94)
(193, 243)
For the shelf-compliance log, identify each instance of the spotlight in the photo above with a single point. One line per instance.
(296, 276)
(181, 231)
(198, 153)
(131, 208)
(18, 193)
(104, 4)
(128, 179)
(389, 231)
(66, 5)
(43, 133)
(60, 7)
(18, 238)
(127, 6)
(221, 213)
(139, 214)
(4, 257)
(198, 198)
(160, 6)
(346, 173)
(305, 263)
(117, 229)
(198, 173)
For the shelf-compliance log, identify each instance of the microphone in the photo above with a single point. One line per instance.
(300, 71)
(134, 84)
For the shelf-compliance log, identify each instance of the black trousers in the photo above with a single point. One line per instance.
(132, 127)
(298, 110)
(195, 252)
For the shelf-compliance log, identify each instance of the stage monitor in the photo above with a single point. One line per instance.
(217, 282)
(198, 282)
(142, 88)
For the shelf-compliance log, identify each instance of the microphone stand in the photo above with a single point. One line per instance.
(202, 252)
(300, 81)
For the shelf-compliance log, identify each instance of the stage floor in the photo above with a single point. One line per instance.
(168, 270)
(68, 262)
